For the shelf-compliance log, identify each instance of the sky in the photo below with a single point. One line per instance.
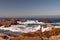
(18, 8)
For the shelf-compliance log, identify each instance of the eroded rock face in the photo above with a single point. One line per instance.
(45, 21)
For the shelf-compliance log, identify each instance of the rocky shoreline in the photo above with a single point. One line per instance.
(38, 35)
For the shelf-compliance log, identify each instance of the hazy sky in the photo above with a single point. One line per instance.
(15, 8)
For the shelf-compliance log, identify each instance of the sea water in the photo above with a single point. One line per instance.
(18, 29)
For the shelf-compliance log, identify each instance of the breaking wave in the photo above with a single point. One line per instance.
(21, 28)
(28, 28)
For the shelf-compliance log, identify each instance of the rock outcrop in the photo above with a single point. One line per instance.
(7, 23)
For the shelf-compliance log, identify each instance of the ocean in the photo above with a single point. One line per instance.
(54, 20)
(18, 29)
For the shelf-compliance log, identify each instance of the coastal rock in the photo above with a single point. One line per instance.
(2, 38)
(38, 35)
(45, 21)
(7, 23)
(26, 38)
(55, 37)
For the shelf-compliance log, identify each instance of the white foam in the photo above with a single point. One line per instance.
(27, 22)
(56, 26)
(18, 28)
(46, 29)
